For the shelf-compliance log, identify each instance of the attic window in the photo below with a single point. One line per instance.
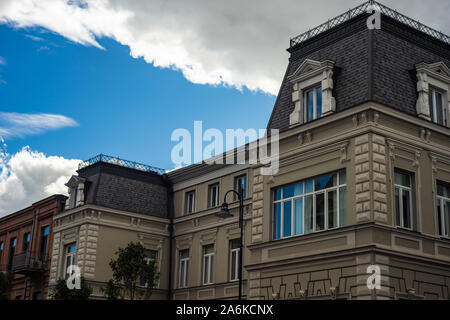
(312, 93)
(433, 87)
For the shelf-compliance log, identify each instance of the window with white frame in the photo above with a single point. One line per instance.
(437, 106)
(234, 259)
(313, 103)
(190, 202)
(70, 258)
(311, 205)
(240, 183)
(184, 269)
(443, 208)
(208, 264)
(150, 255)
(403, 198)
(214, 195)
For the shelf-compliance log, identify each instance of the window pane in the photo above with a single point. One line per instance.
(430, 101)
(299, 216)
(233, 266)
(287, 219)
(402, 179)
(342, 206)
(310, 103)
(397, 206)
(308, 214)
(406, 209)
(439, 109)
(342, 177)
(447, 218)
(320, 211)
(292, 190)
(440, 217)
(182, 274)
(332, 209)
(309, 186)
(277, 220)
(277, 194)
(319, 101)
(324, 182)
(443, 190)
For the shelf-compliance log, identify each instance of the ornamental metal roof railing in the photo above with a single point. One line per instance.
(120, 162)
(363, 8)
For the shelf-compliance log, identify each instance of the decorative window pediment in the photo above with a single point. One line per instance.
(312, 74)
(433, 87)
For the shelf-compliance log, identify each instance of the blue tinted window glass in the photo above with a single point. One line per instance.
(293, 190)
(1, 246)
(325, 182)
(277, 194)
(309, 186)
(46, 230)
(277, 220)
(299, 216)
(287, 219)
(319, 101)
(310, 103)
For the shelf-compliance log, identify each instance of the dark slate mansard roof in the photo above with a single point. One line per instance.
(370, 65)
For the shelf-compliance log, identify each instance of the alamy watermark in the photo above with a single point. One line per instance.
(374, 21)
(73, 281)
(374, 280)
(236, 146)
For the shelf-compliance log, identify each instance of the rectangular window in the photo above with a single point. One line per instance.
(26, 241)
(240, 184)
(443, 208)
(1, 251)
(312, 102)
(184, 269)
(150, 255)
(312, 205)
(403, 199)
(190, 202)
(45, 231)
(12, 250)
(437, 109)
(70, 259)
(214, 195)
(234, 259)
(208, 264)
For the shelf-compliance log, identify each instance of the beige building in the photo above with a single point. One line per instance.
(363, 180)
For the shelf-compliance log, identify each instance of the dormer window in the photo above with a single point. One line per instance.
(437, 110)
(313, 102)
(76, 192)
(312, 93)
(433, 88)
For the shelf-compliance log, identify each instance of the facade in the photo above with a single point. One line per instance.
(363, 180)
(26, 240)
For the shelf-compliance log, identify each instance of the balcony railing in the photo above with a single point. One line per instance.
(28, 262)
(362, 9)
(120, 162)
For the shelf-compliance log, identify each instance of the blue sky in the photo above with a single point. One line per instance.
(124, 106)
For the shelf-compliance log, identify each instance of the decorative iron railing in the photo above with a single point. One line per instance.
(363, 9)
(120, 162)
(28, 261)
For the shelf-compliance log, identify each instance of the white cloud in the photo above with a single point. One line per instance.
(2, 61)
(237, 43)
(22, 124)
(29, 176)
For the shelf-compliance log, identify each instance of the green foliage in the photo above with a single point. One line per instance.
(130, 270)
(5, 285)
(62, 292)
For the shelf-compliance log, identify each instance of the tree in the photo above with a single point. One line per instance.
(5, 284)
(131, 269)
(62, 292)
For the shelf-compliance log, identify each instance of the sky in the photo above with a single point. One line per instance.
(79, 78)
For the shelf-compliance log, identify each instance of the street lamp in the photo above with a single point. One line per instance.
(225, 213)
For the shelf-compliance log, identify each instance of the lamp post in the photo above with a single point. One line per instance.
(225, 213)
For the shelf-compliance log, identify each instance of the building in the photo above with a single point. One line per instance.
(363, 180)
(26, 239)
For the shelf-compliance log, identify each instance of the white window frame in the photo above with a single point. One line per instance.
(303, 196)
(235, 252)
(208, 260)
(72, 255)
(433, 108)
(244, 185)
(148, 260)
(401, 189)
(183, 269)
(305, 102)
(442, 199)
(189, 200)
(214, 201)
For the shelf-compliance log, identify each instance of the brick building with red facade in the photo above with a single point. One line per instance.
(26, 238)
